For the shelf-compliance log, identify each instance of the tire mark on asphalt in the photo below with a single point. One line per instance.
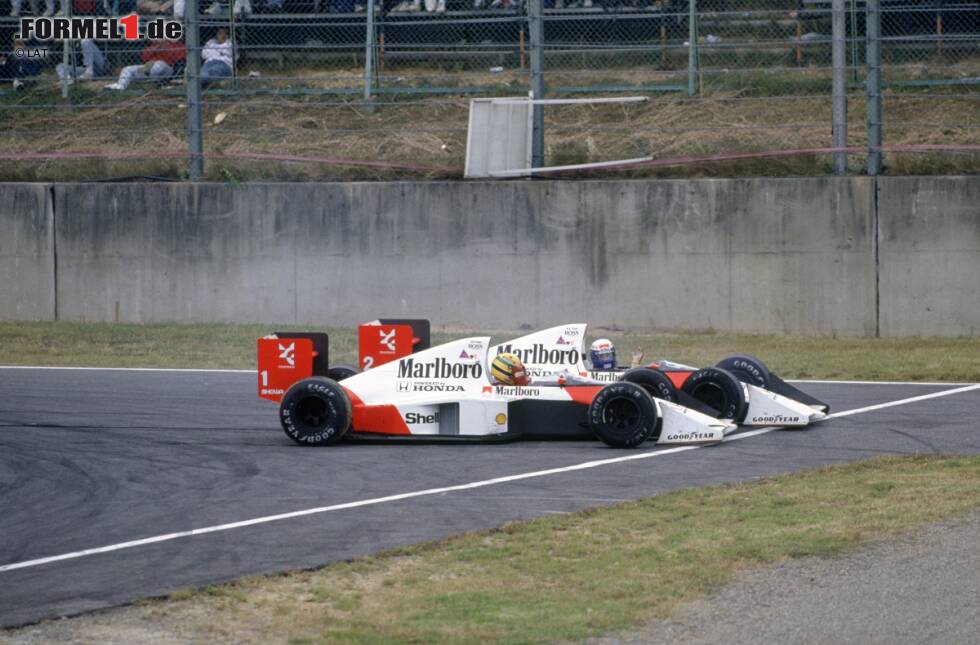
(932, 448)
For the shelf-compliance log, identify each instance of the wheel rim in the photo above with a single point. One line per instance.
(711, 395)
(621, 413)
(313, 412)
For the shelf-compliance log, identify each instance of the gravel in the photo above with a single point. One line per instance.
(923, 587)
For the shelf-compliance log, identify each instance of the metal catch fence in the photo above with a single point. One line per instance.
(380, 88)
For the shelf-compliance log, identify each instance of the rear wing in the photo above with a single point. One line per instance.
(387, 339)
(287, 357)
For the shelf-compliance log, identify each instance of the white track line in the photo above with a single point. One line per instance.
(340, 507)
(914, 399)
(445, 489)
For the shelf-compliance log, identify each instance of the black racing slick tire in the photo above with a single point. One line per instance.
(747, 369)
(655, 382)
(315, 412)
(623, 415)
(340, 372)
(720, 390)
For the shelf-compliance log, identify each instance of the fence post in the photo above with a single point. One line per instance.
(854, 46)
(194, 134)
(234, 44)
(692, 47)
(536, 37)
(369, 47)
(67, 57)
(839, 85)
(873, 85)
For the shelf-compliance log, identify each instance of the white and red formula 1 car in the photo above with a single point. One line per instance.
(739, 388)
(445, 393)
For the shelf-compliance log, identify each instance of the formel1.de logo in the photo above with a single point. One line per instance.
(99, 28)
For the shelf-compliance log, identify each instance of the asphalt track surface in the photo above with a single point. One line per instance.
(100, 459)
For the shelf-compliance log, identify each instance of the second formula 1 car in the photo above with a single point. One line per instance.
(738, 387)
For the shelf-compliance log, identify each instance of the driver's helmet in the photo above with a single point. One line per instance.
(603, 354)
(507, 369)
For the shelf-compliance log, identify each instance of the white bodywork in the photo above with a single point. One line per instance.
(562, 349)
(684, 425)
(770, 409)
(425, 385)
(446, 391)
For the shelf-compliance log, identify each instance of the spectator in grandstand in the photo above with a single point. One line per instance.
(162, 59)
(87, 7)
(437, 6)
(16, 5)
(220, 7)
(19, 65)
(217, 57)
(154, 6)
(94, 64)
(117, 7)
(506, 4)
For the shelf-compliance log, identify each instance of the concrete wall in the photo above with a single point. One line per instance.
(27, 266)
(929, 255)
(782, 255)
(166, 252)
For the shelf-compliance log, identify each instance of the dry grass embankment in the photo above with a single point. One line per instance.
(740, 112)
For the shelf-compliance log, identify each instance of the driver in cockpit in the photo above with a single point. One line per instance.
(508, 369)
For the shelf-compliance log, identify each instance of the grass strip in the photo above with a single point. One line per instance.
(569, 577)
(233, 346)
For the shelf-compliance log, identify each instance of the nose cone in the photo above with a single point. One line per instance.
(818, 414)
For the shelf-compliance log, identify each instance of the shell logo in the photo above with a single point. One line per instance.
(501, 419)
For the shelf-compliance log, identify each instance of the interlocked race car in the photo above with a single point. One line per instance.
(739, 388)
(445, 393)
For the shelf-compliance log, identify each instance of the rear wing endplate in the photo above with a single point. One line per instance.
(387, 339)
(287, 357)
